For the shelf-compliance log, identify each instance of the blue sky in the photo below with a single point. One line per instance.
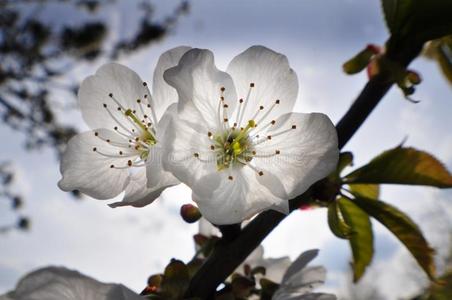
(127, 244)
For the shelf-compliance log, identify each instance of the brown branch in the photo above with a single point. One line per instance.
(230, 252)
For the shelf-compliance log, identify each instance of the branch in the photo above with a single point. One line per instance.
(228, 254)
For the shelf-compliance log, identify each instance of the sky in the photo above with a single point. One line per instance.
(128, 244)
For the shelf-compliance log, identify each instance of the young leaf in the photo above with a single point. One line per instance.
(336, 222)
(371, 191)
(403, 166)
(175, 280)
(396, 13)
(403, 228)
(419, 20)
(361, 238)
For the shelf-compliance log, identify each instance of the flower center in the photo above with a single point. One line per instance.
(234, 146)
(135, 127)
(237, 146)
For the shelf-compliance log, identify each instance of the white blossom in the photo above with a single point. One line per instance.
(235, 141)
(58, 283)
(128, 128)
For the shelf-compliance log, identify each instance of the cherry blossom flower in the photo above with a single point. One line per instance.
(235, 141)
(128, 126)
(58, 283)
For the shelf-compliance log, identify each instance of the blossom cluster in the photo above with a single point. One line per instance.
(230, 136)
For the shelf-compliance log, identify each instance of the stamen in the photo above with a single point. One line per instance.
(262, 119)
(230, 178)
(242, 112)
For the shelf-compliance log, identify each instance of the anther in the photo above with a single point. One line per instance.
(134, 111)
(222, 98)
(105, 105)
(138, 101)
(116, 128)
(277, 101)
(96, 133)
(119, 108)
(225, 106)
(241, 100)
(129, 163)
(149, 106)
(251, 84)
(137, 139)
(110, 95)
(277, 152)
(261, 107)
(149, 124)
(145, 96)
(145, 116)
(269, 137)
(145, 84)
(225, 119)
(120, 152)
(222, 89)
(196, 154)
(94, 149)
(294, 126)
(108, 141)
(230, 178)
(112, 166)
(209, 134)
(212, 147)
(273, 122)
(261, 173)
(254, 152)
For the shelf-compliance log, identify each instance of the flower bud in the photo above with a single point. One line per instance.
(190, 213)
(413, 77)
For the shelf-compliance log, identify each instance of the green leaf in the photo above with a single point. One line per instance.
(345, 160)
(337, 223)
(396, 13)
(358, 62)
(175, 280)
(371, 191)
(361, 239)
(402, 166)
(418, 20)
(403, 228)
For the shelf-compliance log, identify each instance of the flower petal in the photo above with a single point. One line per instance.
(183, 141)
(273, 80)
(301, 262)
(224, 201)
(198, 83)
(57, 283)
(90, 172)
(162, 93)
(304, 281)
(308, 152)
(138, 195)
(122, 83)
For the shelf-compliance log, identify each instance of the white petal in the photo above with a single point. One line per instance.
(181, 143)
(124, 84)
(308, 153)
(272, 77)
(300, 263)
(224, 201)
(137, 194)
(88, 171)
(198, 83)
(57, 283)
(305, 280)
(310, 296)
(162, 93)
